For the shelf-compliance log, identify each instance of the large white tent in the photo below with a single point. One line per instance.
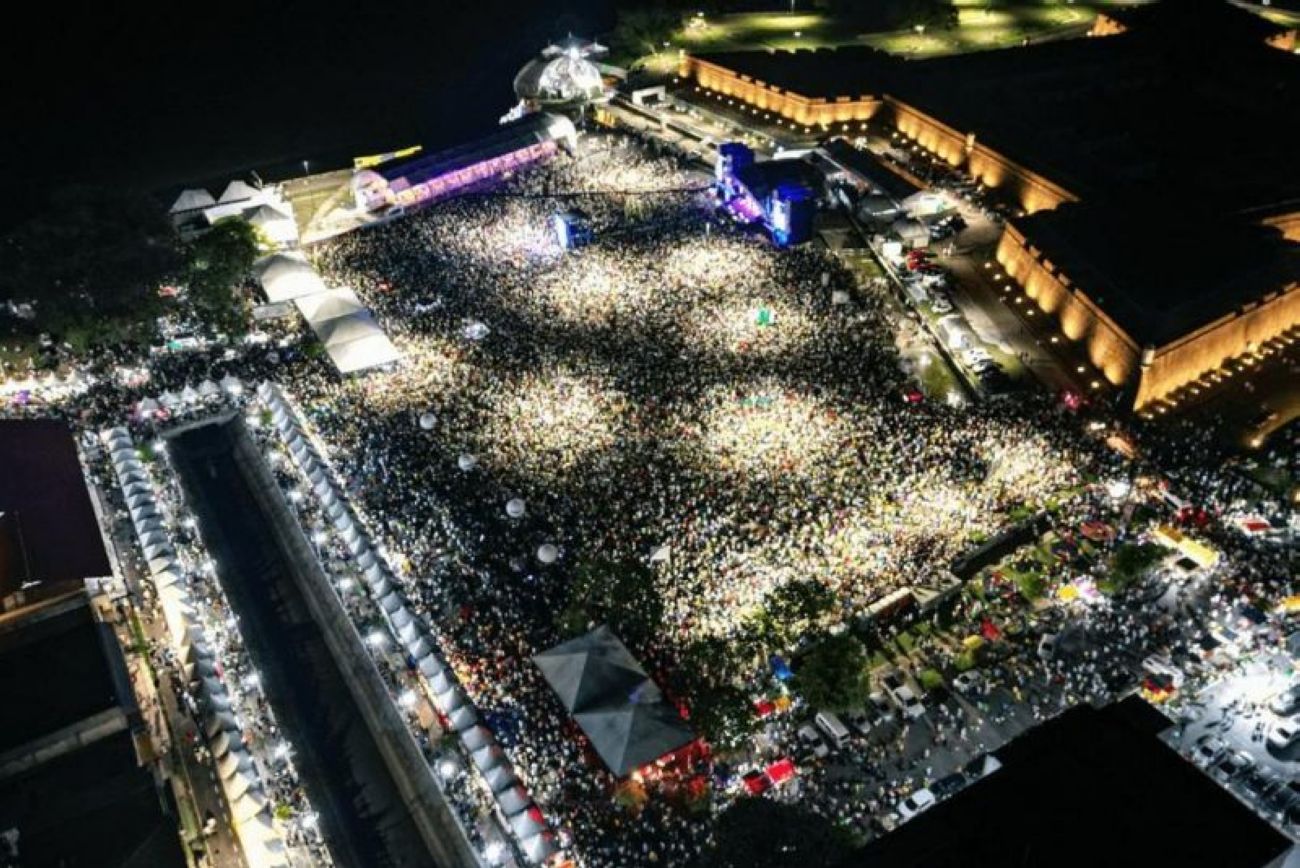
(278, 226)
(352, 338)
(239, 191)
(286, 276)
(192, 199)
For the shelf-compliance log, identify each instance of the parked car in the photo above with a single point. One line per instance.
(1277, 801)
(832, 728)
(1157, 665)
(809, 738)
(921, 800)
(1287, 702)
(879, 707)
(948, 785)
(1208, 749)
(967, 681)
(1258, 783)
(1232, 764)
(1284, 734)
(908, 703)
(859, 721)
(981, 766)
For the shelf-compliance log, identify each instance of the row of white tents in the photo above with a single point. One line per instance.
(249, 806)
(191, 397)
(516, 807)
(346, 328)
(195, 210)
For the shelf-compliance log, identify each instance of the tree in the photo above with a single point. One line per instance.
(833, 675)
(642, 30)
(709, 670)
(1131, 561)
(762, 833)
(619, 593)
(795, 609)
(217, 262)
(93, 260)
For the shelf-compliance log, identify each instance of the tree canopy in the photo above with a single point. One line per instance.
(833, 675)
(619, 593)
(762, 833)
(794, 610)
(892, 14)
(643, 29)
(92, 260)
(707, 677)
(217, 262)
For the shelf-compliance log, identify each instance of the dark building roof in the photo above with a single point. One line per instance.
(870, 169)
(616, 703)
(92, 807)
(56, 669)
(1091, 787)
(1162, 276)
(71, 782)
(760, 179)
(51, 533)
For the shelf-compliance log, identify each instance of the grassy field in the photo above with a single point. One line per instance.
(979, 27)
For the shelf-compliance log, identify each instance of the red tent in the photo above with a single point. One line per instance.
(781, 771)
(990, 631)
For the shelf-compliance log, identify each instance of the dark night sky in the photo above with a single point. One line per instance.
(154, 94)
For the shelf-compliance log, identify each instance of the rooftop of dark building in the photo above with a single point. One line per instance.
(1161, 276)
(71, 781)
(1090, 787)
(50, 533)
(56, 669)
(95, 807)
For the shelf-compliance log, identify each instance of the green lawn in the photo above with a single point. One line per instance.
(978, 27)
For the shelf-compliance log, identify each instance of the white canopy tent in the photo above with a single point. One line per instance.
(286, 276)
(352, 338)
(239, 191)
(278, 227)
(192, 200)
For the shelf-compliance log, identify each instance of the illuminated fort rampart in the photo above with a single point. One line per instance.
(1156, 125)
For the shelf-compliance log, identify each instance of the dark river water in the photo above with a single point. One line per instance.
(360, 808)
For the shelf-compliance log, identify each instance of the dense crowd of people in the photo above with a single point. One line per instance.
(676, 393)
(676, 387)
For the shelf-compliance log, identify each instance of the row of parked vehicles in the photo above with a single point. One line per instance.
(1271, 794)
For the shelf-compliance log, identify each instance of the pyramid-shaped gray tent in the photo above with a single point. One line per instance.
(618, 706)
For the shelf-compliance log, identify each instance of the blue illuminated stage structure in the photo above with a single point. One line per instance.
(573, 228)
(427, 178)
(781, 194)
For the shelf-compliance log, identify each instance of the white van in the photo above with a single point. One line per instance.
(952, 328)
(833, 728)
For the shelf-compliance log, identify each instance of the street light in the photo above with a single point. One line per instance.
(306, 167)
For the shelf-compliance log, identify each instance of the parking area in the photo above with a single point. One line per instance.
(1099, 600)
(1243, 729)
